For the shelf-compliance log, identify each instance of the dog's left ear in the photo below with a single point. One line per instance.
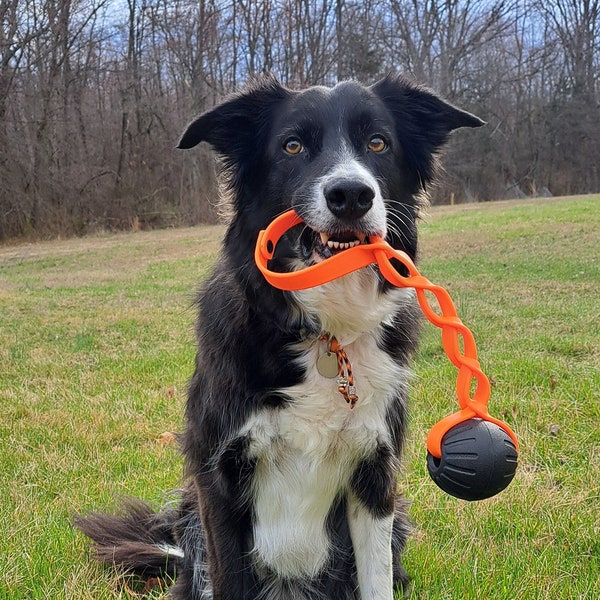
(233, 126)
(423, 120)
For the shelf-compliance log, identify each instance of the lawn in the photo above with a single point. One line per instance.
(97, 346)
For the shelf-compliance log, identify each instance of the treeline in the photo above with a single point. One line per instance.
(94, 94)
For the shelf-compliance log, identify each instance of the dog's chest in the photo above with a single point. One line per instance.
(318, 422)
(307, 452)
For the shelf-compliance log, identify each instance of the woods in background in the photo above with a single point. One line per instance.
(94, 94)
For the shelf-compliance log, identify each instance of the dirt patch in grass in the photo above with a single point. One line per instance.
(105, 259)
(173, 243)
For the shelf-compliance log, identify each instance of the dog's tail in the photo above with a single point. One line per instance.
(139, 541)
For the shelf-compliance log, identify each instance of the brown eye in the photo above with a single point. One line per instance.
(293, 146)
(377, 144)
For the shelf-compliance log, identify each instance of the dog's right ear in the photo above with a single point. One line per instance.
(231, 126)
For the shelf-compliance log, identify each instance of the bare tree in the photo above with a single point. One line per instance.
(438, 39)
(573, 118)
(19, 29)
(94, 95)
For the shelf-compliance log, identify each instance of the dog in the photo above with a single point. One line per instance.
(292, 491)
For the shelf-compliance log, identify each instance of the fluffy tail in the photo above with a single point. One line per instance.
(139, 541)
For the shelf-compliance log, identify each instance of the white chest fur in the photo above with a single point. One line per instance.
(306, 453)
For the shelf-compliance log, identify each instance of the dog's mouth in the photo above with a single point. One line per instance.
(318, 245)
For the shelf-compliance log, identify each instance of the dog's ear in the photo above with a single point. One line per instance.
(423, 120)
(230, 126)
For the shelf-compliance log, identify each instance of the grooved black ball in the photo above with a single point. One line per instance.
(479, 460)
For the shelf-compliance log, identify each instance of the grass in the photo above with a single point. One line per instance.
(97, 346)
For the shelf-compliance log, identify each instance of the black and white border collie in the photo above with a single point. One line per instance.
(292, 492)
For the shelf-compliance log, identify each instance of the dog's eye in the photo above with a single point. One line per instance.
(293, 146)
(377, 144)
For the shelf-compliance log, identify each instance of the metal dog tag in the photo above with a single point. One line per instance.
(327, 365)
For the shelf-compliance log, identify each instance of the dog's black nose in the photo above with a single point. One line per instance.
(348, 198)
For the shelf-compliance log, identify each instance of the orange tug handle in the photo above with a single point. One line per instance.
(453, 329)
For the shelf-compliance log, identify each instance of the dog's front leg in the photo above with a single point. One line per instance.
(224, 553)
(372, 543)
(371, 520)
(226, 523)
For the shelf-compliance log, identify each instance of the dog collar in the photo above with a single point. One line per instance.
(335, 364)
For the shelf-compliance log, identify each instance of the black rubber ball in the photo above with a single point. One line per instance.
(479, 460)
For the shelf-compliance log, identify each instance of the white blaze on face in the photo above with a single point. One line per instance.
(348, 168)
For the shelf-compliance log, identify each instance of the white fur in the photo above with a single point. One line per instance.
(352, 305)
(307, 452)
(171, 551)
(372, 542)
(320, 217)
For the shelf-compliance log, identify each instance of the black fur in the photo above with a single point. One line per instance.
(252, 338)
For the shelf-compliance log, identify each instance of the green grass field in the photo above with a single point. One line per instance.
(97, 346)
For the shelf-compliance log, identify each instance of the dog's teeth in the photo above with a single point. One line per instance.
(333, 245)
(336, 245)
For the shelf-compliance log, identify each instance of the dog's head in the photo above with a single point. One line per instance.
(353, 161)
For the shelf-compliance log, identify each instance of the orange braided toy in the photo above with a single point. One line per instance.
(497, 449)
